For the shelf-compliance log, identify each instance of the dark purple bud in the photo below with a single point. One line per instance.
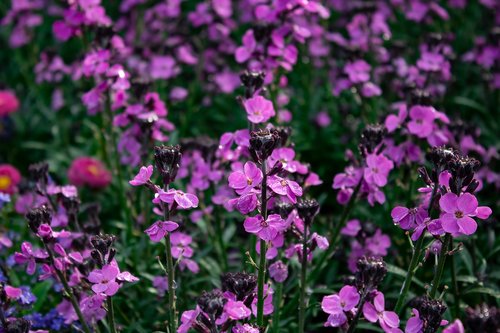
(167, 161)
(37, 217)
(307, 210)
(240, 284)
(370, 273)
(212, 303)
(372, 136)
(263, 143)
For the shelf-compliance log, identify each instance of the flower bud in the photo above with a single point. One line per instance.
(371, 271)
(167, 161)
(431, 313)
(262, 144)
(307, 210)
(240, 284)
(482, 319)
(17, 325)
(37, 217)
(372, 136)
(212, 303)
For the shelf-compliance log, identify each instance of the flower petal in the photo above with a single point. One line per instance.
(467, 203)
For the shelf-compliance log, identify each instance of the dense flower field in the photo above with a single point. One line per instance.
(250, 166)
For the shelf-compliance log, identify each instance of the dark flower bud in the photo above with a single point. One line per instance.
(420, 97)
(285, 132)
(372, 136)
(39, 173)
(212, 303)
(17, 325)
(471, 188)
(253, 81)
(422, 172)
(370, 273)
(277, 168)
(431, 313)
(307, 210)
(167, 161)
(96, 255)
(240, 284)
(463, 167)
(37, 217)
(441, 157)
(262, 144)
(283, 209)
(103, 244)
(483, 319)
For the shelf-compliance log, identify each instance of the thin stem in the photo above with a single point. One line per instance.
(262, 263)
(68, 291)
(440, 266)
(354, 323)
(172, 322)
(303, 272)
(111, 315)
(456, 295)
(414, 260)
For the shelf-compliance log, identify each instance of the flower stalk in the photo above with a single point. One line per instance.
(262, 261)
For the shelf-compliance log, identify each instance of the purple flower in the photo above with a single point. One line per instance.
(245, 328)
(159, 229)
(458, 212)
(286, 187)
(336, 305)
(414, 324)
(377, 169)
(188, 318)
(143, 176)
(455, 327)
(421, 120)
(243, 53)
(266, 230)
(244, 181)
(388, 320)
(28, 255)
(184, 200)
(92, 309)
(433, 226)
(104, 280)
(237, 310)
(259, 109)
(351, 228)
(408, 218)
(431, 62)
(278, 271)
(358, 71)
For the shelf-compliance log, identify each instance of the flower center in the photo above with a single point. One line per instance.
(459, 214)
(283, 183)
(375, 170)
(264, 224)
(5, 182)
(94, 170)
(249, 181)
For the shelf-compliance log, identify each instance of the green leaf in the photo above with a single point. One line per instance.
(483, 290)
(402, 273)
(41, 291)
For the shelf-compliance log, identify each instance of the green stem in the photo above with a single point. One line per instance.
(277, 305)
(354, 322)
(172, 322)
(111, 315)
(415, 258)
(68, 291)
(440, 266)
(303, 272)
(262, 263)
(456, 295)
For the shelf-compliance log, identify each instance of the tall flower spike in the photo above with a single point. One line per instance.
(167, 161)
(262, 144)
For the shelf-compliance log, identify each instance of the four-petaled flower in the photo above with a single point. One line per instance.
(336, 305)
(286, 187)
(183, 200)
(104, 280)
(259, 109)
(143, 176)
(244, 181)
(28, 255)
(458, 212)
(377, 169)
(159, 229)
(388, 320)
(266, 230)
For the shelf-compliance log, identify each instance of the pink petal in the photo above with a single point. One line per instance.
(331, 304)
(112, 288)
(370, 312)
(390, 318)
(336, 319)
(109, 272)
(448, 202)
(483, 212)
(99, 288)
(349, 296)
(379, 302)
(253, 224)
(95, 276)
(237, 180)
(169, 226)
(467, 225)
(449, 223)
(398, 213)
(467, 203)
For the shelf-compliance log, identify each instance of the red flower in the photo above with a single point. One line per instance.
(8, 103)
(9, 176)
(89, 171)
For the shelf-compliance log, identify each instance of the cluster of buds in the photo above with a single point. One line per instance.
(103, 252)
(240, 284)
(371, 137)
(38, 217)
(212, 304)
(483, 318)
(263, 143)
(307, 210)
(252, 81)
(167, 161)
(430, 311)
(370, 273)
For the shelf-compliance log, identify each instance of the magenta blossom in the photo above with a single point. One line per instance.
(278, 271)
(377, 169)
(188, 318)
(422, 120)
(143, 176)
(266, 230)
(236, 310)
(336, 305)
(388, 320)
(408, 218)
(458, 212)
(244, 181)
(159, 229)
(104, 280)
(259, 109)
(28, 255)
(286, 187)
(184, 200)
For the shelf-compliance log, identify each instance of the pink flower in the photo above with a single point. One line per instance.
(376, 312)
(12, 292)
(259, 109)
(89, 171)
(244, 181)
(143, 176)
(455, 327)
(8, 103)
(337, 305)
(377, 169)
(92, 309)
(159, 229)
(104, 280)
(422, 120)
(458, 212)
(188, 318)
(286, 187)
(236, 310)
(9, 178)
(358, 71)
(266, 230)
(407, 218)
(28, 255)
(278, 271)
(184, 200)
(244, 52)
